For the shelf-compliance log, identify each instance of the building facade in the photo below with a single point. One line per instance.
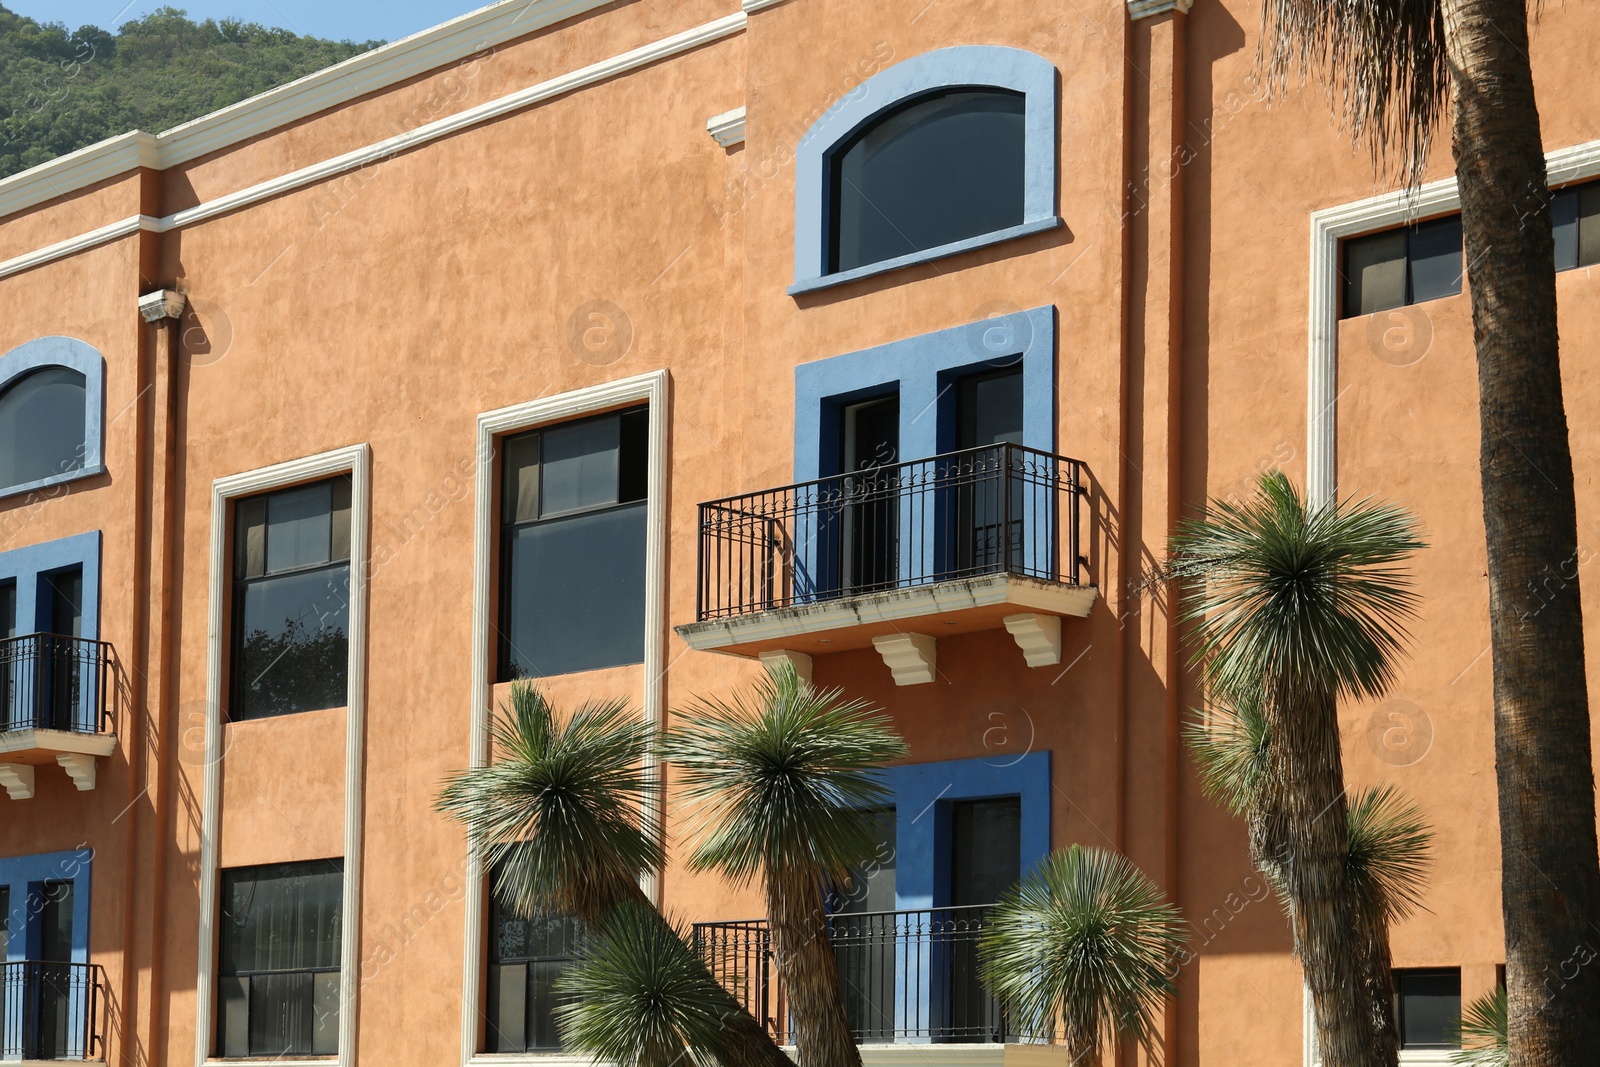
(630, 345)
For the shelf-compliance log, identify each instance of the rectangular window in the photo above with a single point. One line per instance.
(985, 855)
(572, 546)
(291, 593)
(1405, 266)
(526, 958)
(278, 983)
(1575, 219)
(1427, 1007)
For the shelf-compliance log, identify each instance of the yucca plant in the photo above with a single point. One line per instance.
(1085, 942)
(1292, 608)
(1483, 1032)
(559, 815)
(780, 783)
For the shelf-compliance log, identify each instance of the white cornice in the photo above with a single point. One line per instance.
(750, 7)
(111, 231)
(727, 129)
(440, 46)
(1139, 9)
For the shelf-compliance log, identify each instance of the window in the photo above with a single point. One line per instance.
(572, 546)
(935, 171)
(1575, 218)
(945, 152)
(1399, 267)
(278, 990)
(291, 608)
(52, 668)
(1427, 1007)
(526, 958)
(42, 426)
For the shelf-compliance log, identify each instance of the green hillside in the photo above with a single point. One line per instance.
(62, 89)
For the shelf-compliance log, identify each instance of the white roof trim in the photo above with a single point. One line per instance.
(357, 76)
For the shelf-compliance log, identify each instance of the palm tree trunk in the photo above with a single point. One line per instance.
(805, 958)
(1083, 1042)
(1304, 824)
(1550, 874)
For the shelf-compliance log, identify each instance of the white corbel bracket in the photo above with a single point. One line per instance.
(18, 780)
(79, 767)
(162, 304)
(727, 129)
(1140, 9)
(799, 660)
(1039, 637)
(912, 657)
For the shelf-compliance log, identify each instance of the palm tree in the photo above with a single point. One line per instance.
(560, 819)
(1293, 608)
(1393, 66)
(783, 783)
(1086, 940)
(1483, 1032)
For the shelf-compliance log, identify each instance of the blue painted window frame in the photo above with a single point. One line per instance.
(30, 565)
(25, 876)
(57, 351)
(963, 66)
(924, 369)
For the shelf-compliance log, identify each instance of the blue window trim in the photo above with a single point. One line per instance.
(977, 66)
(30, 565)
(86, 360)
(25, 875)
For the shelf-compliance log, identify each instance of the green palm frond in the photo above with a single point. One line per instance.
(1230, 750)
(1391, 847)
(640, 995)
(1483, 1032)
(560, 812)
(1310, 599)
(1086, 939)
(783, 778)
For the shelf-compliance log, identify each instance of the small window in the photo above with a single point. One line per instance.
(526, 958)
(941, 169)
(572, 551)
(1399, 267)
(1428, 1008)
(1575, 218)
(42, 426)
(291, 611)
(278, 983)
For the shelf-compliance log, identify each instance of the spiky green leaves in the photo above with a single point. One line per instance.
(1085, 939)
(559, 814)
(782, 778)
(1483, 1032)
(1390, 850)
(1295, 599)
(1230, 750)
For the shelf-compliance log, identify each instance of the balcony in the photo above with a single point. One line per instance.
(54, 708)
(52, 1011)
(909, 977)
(895, 557)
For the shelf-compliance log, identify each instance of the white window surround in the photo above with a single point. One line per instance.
(654, 389)
(356, 461)
(1328, 227)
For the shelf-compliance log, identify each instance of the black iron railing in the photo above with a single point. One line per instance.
(908, 976)
(52, 1011)
(51, 682)
(990, 510)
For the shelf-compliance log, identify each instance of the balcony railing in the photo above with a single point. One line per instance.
(51, 682)
(908, 976)
(998, 509)
(52, 1011)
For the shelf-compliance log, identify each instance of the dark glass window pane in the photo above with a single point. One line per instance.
(299, 527)
(1564, 223)
(580, 466)
(5, 920)
(1589, 224)
(521, 490)
(294, 650)
(42, 425)
(940, 169)
(991, 410)
(1374, 273)
(1429, 1007)
(527, 956)
(8, 610)
(986, 849)
(576, 590)
(1436, 259)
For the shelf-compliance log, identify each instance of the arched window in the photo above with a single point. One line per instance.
(42, 425)
(52, 396)
(948, 151)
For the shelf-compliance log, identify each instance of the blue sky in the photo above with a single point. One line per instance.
(357, 20)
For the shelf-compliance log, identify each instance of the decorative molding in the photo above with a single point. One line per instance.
(798, 660)
(79, 767)
(161, 304)
(389, 147)
(18, 780)
(653, 388)
(912, 658)
(727, 129)
(85, 359)
(1039, 637)
(87, 166)
(1328, 227)
(1139, 9)
(750, 7)
(356, 460)
(57, 741)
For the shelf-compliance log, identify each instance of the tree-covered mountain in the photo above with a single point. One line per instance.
(62, 89)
